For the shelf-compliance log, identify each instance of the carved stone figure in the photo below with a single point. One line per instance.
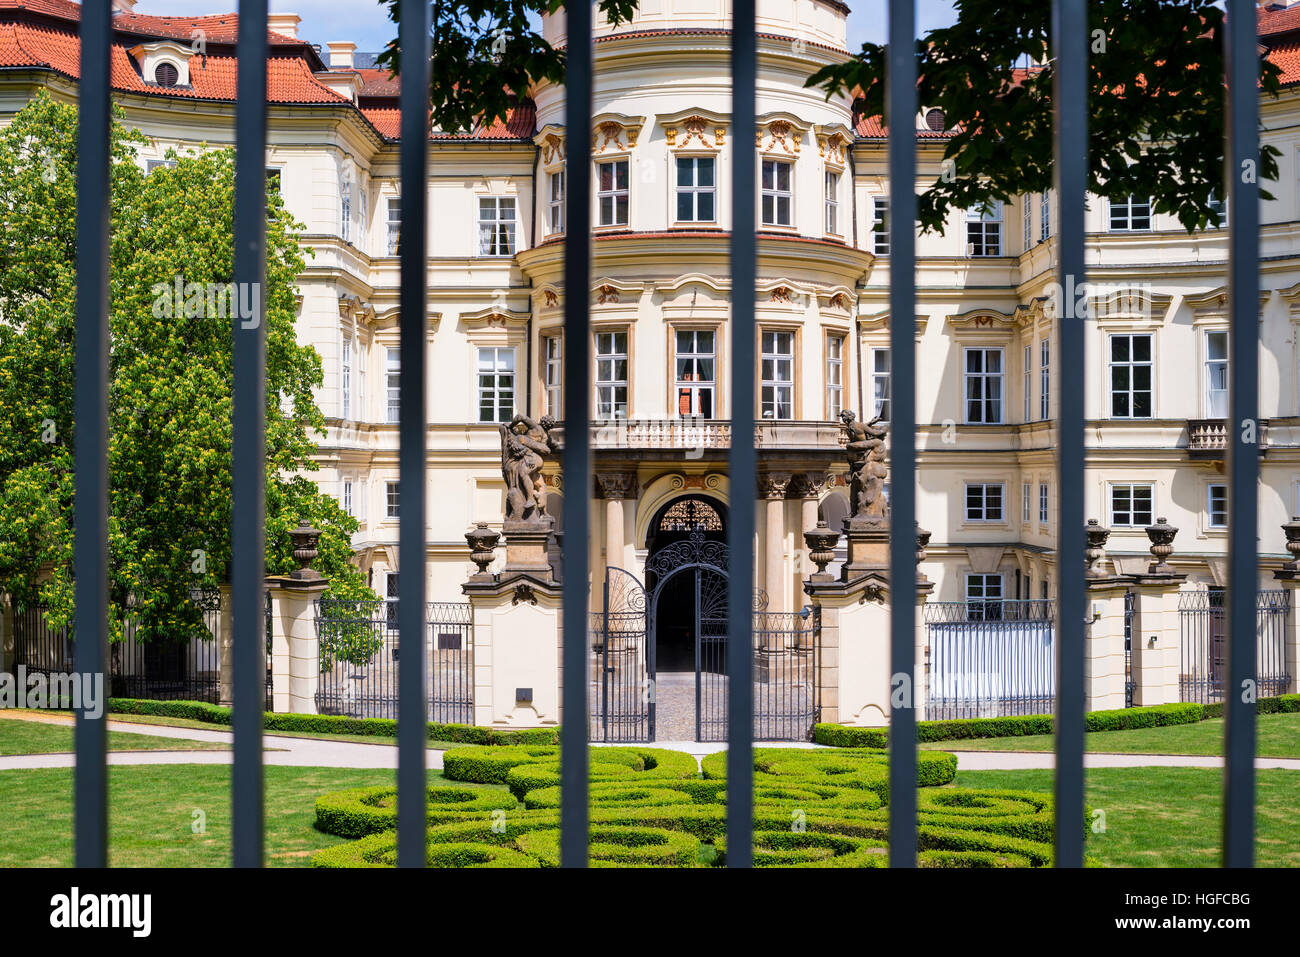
(866, 454)
(525, 444)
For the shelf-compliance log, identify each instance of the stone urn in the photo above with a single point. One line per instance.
(1096, 536)
(305, 539)
(821, 543)
(1292, 532)
(482, 546)
(1161, 535)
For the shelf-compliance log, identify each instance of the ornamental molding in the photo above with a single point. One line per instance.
(1212, 306)
(494, 318)
(839, 298)
(879, 322)
(785, 292)
(833, 143)
(547, 296)
(615, 133)
(694, 129)
(985, 319)
(550, 141)
(780, 134)
(696, 279)
(615, 291)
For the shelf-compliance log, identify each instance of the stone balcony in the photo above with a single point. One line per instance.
(696, 438)
(1208, 438)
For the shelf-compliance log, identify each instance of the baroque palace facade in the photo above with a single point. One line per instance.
(986, 379)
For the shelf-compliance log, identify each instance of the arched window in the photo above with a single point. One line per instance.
(690, 515)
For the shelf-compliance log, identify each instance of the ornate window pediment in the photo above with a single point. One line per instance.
(694, 130)
(833, 144)
(615, 133)
(985, 319)
(780, 134)
(550, 141)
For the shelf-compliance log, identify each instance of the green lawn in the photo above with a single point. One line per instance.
(1278, 737)
(1169, 817)
(151, 821)
(34, 737)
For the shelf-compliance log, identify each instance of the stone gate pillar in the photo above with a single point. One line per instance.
(226, 648)
(295, 647)
(1289, 578)
(1156, 632)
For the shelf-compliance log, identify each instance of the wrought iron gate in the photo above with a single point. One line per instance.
(1203, 644)
(627, 689)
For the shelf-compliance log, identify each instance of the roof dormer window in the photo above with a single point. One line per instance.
(166, 74)
(163, 63)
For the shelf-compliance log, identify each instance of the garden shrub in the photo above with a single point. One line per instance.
(651, 808)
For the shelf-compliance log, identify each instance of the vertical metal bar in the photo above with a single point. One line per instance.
(577, 434)
(412, 716)
(1242, 152)
(900, 82)
(90, 424)
(248, 492)
(1070, 91)
(742, 460)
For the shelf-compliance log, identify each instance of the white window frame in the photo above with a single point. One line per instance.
(881, 382)
(614, 193)
(775, 193)
(1045, 378)
(693, 190)
(1025, 491)
(555, 186)
(834, 375)
(984, 230)
(392, 385)
(1131, 514)
(777, 389)
(990, 405)
(880, 225)
(983, 602)
(693, 385)
(1043, 507)
(1210, 510)
(1045, 215)
(832, 181)
(1129, 216)
(496, 382)
(345, 211)
(1216, 369)
(552, 373)
(392, 500)
(394, 221)
(345, 376)
(612, 392)
(986, 504)
(347, 497)
(498, 233)
(1029, 378)
(1132, 365)
(1027, 219)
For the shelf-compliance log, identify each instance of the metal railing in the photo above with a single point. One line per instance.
(1204, 640)
(1070, 37)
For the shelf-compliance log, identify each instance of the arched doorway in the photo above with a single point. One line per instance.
(682, 598)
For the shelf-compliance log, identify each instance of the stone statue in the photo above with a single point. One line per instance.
(524, 447)
(867, 472)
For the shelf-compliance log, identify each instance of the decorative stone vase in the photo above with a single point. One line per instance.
(482, 546)
(305, 539)
(1161, 535)
(821, 543)
(1292, 531)
(922, 542)
(1096, 537)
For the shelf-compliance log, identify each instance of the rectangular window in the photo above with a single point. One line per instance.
(1044, 378)
(880, 225)
(983, 386)
(393, 504)
(983, 596)
(555, 205)
(1216, 375)
(1027, 219)
(611, 375)
(1218, 506)
(696, 189)
(496, 383)
(778, 198)
(1220, 212)
(696, 371)
(345, 213)
(984, 501)
(1131, 505)
(345, 374)
(1130, 376)
(496, 226)
(611, 193)
(778, 375)
(347, 496)
(151, 165)
(1024, 502)
(551, 374)
(394, 224)
(832, 202)
(1028, 377)
(1042, 503)
(834, 376)
(393, 381)
(880, 382)
(1045, 215)
(984, 230)
(1130, 215)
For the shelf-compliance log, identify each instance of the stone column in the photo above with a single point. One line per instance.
(615, 488)
(295, 647)
(226, 648)
(772, 487)
(1156, 635)
(805, 486)
(8, 648)
(1289, 578)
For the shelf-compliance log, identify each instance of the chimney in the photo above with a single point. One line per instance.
(124, 6)
(341, 54)
(285, 24)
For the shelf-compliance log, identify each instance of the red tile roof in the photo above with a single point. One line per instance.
(378, 82)
(518, 125)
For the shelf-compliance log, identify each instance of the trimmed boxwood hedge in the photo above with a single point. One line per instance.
(334, 723)
(651, 808)
(1122, 719)
(1282, 704)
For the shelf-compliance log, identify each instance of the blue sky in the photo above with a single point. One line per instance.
(367, 23)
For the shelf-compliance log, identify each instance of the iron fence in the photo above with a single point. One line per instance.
(1204, 640)
(360, 659)
(989, 659)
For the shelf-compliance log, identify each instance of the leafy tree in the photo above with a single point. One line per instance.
(170, 381)
(1156, 102)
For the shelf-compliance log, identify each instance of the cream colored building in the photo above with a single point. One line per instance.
(986, 376)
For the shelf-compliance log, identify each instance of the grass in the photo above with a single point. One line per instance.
(1278, 737)
(153, 814)
(33, 737)
(1169, 817)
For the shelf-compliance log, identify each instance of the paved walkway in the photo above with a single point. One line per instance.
(318, 753)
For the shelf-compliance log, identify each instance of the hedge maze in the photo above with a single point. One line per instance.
(654, 808)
